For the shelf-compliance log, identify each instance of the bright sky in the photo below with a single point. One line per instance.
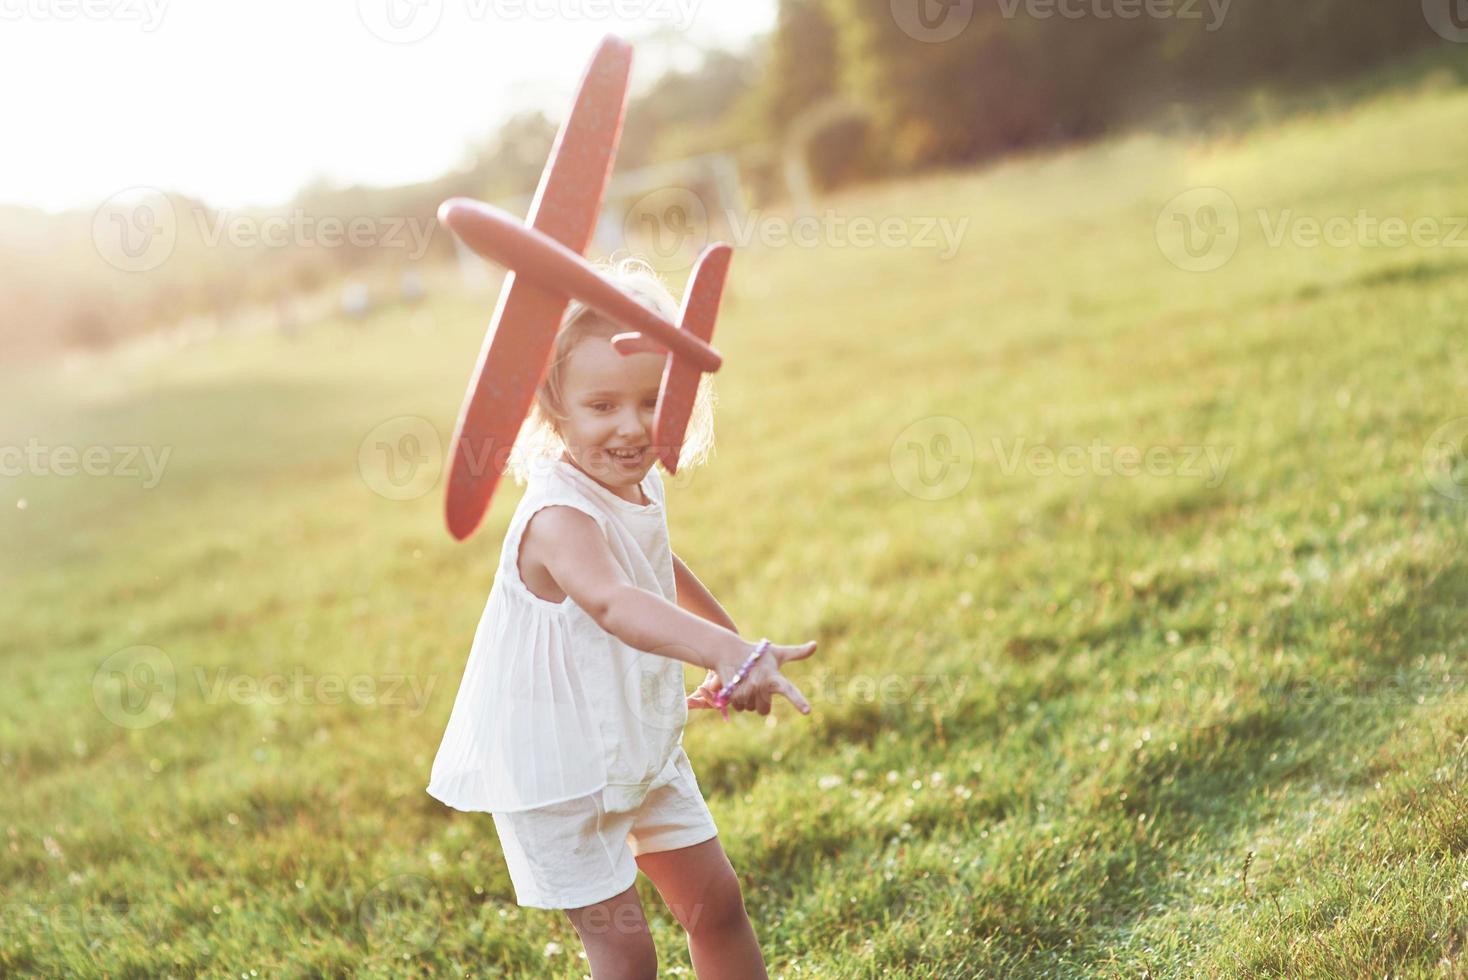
(241, 103)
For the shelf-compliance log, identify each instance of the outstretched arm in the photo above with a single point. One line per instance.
(694, 596)
(578, 558)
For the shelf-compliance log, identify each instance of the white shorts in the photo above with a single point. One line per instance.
(572, 854)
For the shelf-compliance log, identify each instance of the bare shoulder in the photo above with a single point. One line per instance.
(549, 530)
(559, 524)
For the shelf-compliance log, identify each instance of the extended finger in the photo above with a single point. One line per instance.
(786, 654)
(784, 686)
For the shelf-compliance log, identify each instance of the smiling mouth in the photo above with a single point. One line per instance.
(626, 455)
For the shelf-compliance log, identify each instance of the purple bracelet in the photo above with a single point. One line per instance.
(722, 698)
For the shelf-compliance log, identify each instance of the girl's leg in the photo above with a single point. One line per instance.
(701, 889)
(618, 943)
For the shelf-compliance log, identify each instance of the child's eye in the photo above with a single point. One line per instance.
(600, 406)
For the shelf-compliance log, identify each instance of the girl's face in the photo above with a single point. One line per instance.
(609, 401)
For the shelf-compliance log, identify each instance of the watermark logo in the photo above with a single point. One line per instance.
(652, 688)
(933, 458)
(401, 916)
(1445, 459)
(932, 21)
(670, 225)
(400, 21)
(135, 687)
(1200, 682)
(1449, 18)
(135, 229)
(402, 458)
(1198, 230)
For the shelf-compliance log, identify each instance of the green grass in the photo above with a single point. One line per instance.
(1126, 725)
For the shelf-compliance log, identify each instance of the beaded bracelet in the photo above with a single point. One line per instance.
(722, 698)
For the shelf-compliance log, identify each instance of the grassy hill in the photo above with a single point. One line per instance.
(1137, 562)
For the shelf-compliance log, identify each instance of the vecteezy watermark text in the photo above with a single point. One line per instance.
(892, 688)
(1199, 230)
(831, 229)
(1206, 461)
(137, 687)
(403, 458)
(84, 924)
(147, 13)
(37, 459)
(1363, 229)
(670, 226)
(1400, 688)
(297, 686)
(1213, 11)
(299, 229)
(936, 21)
(137, 229)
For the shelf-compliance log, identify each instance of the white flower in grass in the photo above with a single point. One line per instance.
(552, 949)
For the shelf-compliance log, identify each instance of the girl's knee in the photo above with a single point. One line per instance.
(617, 940)
(623, 958)
(720, 908)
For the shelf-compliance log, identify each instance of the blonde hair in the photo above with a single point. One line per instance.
(539, 442)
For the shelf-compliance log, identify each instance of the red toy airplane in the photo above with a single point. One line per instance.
(547, 271)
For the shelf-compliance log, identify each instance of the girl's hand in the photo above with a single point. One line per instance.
(764, 680)
(704, 696)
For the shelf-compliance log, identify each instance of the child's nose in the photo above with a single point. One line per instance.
(629, 423)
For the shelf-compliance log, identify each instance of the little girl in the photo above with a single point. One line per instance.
(568, 724)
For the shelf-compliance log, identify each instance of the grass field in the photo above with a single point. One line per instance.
(1202, 716)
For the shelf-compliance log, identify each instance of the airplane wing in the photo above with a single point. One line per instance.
(518, 343)
(680, 378)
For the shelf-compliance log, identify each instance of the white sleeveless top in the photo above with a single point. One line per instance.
(551, 706)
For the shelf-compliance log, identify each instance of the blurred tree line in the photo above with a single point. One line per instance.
(1024, 72)
(862, 88)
